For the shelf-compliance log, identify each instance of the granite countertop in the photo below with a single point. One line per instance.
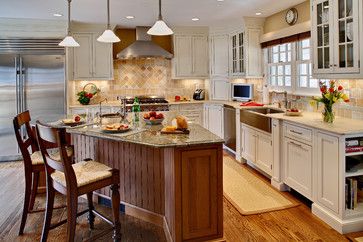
(341, 126)
(151, 136)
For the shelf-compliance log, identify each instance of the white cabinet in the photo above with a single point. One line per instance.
(298, 161)
(328, 171)
(237, 54)
(193, 112)
(219, 55)
(92, 60)
(213, 119)
(337, 38)
(190, 56)
(256, 147)
(220, 89)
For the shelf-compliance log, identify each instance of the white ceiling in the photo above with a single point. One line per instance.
(175, 12)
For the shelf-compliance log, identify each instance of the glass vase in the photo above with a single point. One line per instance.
(328, 114)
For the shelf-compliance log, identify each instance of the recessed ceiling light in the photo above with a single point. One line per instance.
(130, 17)
(258, 14)
(195, 19)
(57, 14)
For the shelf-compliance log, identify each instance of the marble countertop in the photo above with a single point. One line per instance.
(151, 136)
(341, 126)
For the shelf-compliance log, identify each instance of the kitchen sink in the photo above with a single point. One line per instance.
(256, 117)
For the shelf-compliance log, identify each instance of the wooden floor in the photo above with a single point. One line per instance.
(294, 224)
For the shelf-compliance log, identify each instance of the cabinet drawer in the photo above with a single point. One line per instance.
(191, 107)
(299, 133)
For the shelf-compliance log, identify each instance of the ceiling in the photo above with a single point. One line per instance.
(175, 12)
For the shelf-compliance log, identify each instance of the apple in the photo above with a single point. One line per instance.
(159, 116)
(152, 114)
(177, 98)
(152, 118)
(146, 116)
(77, 118)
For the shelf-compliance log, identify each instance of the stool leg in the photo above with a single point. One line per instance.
(28, 182)
(72, 200)
(48, 212)
(116, 212)
(34, 190)
(91, 216)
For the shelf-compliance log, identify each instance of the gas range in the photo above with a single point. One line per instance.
(148, 103)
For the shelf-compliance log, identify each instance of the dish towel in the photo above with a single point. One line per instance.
(250, 104)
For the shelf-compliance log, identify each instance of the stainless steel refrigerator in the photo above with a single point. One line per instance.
(32, 77)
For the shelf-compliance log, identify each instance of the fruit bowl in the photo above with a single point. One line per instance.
(153, 121)
(294, 112)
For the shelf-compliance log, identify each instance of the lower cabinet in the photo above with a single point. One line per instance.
(213, 119)
(298, 159)
(256, 147)
(328, 171)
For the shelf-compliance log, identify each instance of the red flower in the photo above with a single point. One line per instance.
(90, 95)
(323, 89)
(340, 88)
(331, 90)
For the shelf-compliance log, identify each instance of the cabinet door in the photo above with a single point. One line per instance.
(200, 56)
(220, 89)
(183, 61)
(298, 166)
(220, 55)
(215, 120)
(253, 57)
(234, 54)
(322, 30)
(102, 64)
(200, 178)
(249, 139)
(328, 171)
(346, 44)
(264, 152)
(82, 56)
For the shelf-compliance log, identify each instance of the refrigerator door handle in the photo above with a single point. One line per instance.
(17, 86)
(22, 83)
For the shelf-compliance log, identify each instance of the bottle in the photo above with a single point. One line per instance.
(136, 110)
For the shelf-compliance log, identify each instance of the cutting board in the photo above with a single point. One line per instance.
(184, 131)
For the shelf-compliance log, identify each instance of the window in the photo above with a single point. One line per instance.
(289, 67)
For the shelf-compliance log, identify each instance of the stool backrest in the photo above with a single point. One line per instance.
(27, 139)
(57, 138)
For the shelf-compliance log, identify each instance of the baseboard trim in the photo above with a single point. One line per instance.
(279, 186)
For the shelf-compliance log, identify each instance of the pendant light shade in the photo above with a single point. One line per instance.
(160, 28)
(108, 35)
(69, 41)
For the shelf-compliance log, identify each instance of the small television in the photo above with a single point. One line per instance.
(242, 92)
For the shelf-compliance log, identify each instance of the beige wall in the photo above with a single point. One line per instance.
(277, 21)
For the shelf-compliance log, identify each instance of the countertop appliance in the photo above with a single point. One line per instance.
(199, 94)
(229, 114)
(32, 77)
(242, 92)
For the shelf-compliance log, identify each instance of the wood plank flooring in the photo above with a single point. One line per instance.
(294, 224)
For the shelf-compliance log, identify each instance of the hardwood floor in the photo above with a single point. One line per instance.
(294, 224)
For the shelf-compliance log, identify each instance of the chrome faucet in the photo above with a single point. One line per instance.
(123, 107)
(285, 97)
(100, 110)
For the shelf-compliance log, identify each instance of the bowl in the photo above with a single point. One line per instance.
(153, 122)
(294, 114)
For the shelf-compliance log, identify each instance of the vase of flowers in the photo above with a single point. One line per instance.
(88, 92)
(329, 96)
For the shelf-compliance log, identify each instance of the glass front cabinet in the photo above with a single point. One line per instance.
(337, 38)
(237, 48)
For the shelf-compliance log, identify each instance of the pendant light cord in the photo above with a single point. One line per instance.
(108, 15)
(69, 17)
(160, 16)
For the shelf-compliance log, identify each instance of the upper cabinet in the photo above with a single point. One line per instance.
(337, 38)
(92, 60)
(219, 55)
(237, 54)
(190, 54)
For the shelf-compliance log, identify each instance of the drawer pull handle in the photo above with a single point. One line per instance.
(295, 132)
(298, 145)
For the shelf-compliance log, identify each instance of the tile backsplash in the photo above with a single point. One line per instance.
(140, 77)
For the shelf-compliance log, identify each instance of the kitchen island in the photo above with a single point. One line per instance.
(174, 181)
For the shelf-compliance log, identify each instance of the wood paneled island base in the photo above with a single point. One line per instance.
(179, 187)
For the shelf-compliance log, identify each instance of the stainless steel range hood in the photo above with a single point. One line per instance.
(143, 47)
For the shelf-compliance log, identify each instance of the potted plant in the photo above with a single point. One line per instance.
(329, 96)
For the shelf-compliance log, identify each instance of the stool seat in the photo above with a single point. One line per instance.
(86, 173)
(37, 158)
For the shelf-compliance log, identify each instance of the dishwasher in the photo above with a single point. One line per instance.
(229, 113)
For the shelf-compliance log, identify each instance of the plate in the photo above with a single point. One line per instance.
(349, 31)
(153, 122)
(293, 114)
(71, 123)
(114, 131)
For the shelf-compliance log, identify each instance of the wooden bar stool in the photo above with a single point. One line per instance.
(73, 181)
(33, 162)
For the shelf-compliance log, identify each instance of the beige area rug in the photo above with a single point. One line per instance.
(248, 193)
(359, 239)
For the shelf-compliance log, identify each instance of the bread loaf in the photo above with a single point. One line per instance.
(180, 122)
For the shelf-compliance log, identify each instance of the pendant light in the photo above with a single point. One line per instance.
(108, 35)
(69, 41)
(160, 27)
